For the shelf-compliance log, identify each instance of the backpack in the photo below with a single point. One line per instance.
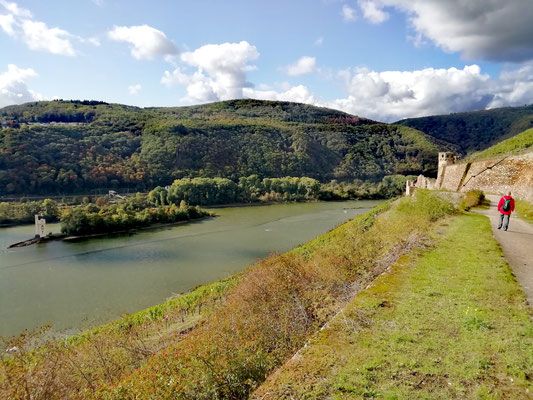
(506, 205)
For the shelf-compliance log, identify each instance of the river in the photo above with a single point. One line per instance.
(77, 285)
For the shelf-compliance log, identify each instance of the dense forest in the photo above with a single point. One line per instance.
(60, 147)
(476, 130)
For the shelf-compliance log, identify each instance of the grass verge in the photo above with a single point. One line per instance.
(524, 210)
(448, 323)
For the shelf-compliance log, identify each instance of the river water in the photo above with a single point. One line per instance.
(77, 285)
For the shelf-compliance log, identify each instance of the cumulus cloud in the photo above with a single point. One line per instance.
(220, 71)
(514, 87)
(53, 40)
(298, 94)
(304, 65)
(490, 29)
(392, 95)
(134, 89)
(146, 42)
(37, 35)
(348, 13)
(372, 11)
(319, 41)
(13, 86)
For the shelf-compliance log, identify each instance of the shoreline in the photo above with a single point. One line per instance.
(65, 238)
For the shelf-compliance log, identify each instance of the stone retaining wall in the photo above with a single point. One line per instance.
(497, 175)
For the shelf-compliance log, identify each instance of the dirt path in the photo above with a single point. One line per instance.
(517, 245)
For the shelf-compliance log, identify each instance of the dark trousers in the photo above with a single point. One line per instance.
(504, 221)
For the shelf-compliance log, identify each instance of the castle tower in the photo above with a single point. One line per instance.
(40, 227)
(445, 158)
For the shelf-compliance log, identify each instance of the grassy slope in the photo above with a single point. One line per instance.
(522, 142)
(451, 323)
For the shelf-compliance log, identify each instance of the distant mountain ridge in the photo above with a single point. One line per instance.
(475, 130)
(75, 146)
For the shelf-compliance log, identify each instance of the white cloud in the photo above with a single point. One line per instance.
(134, 89)
(392, 95)
(348, 13)
(15, 10)
(220, 71)
(514, 87)
(37, 35)
(490, 29)
(298, 94)
(7, 23)
(304, 65)
(373, 11)
(13, 87)
(54, 40)
(146, 42)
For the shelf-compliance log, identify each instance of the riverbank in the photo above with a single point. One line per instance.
(449, 321)
(264, 318)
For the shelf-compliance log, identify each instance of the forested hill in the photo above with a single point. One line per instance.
(476, 130)
(75, 146)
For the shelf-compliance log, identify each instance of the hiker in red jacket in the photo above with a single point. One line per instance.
(505, 207)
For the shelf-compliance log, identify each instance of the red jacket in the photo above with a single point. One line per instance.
(500, 205)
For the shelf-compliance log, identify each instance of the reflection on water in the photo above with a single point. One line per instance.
(75, 285)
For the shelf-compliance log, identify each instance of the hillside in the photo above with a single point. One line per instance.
(76, 146)
(520, 143)
(477, 130)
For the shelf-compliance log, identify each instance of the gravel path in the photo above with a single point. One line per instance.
(517, 245)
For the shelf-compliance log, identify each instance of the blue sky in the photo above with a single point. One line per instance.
(382, 59)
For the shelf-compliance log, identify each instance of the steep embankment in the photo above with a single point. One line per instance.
(73, 146)
(447, 323)
(474, 131)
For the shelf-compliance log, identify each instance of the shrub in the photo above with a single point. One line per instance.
(472, 198)
(428, 203)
